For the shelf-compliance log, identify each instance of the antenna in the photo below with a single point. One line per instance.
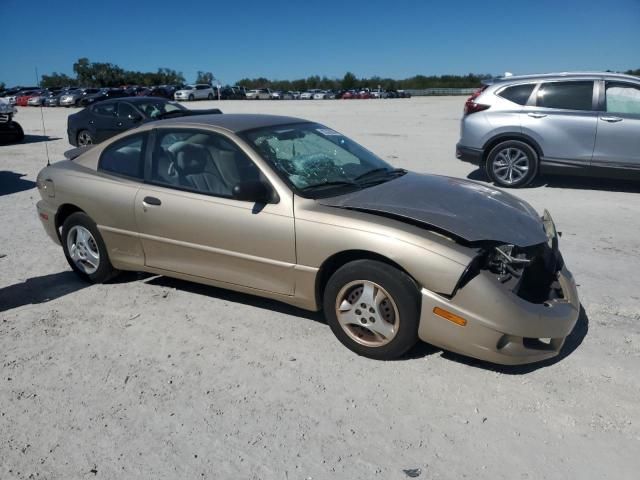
(44, 129)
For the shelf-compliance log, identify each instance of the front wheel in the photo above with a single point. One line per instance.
(85, 250)
(210, 96)
(512, 164)
(191, 98)
(373, 309)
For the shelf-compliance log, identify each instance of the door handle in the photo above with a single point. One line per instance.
(611, 119)
(537, 115)
(151, 201)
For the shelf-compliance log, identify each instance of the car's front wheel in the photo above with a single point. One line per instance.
(85, 250)
(373, 309)
(85, 138)
(191, 98)
(210, 96)
(512, 163)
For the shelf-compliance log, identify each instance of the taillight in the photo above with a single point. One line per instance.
(470, 106)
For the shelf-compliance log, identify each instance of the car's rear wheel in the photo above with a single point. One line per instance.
(373, 309)
(84, 138)
(512, 163)
(191, 98)
(85, 250)
(210, 96)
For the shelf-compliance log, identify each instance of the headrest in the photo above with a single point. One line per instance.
(192, 158)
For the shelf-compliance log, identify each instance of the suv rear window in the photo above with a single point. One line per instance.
(566, 95)
(518, 93)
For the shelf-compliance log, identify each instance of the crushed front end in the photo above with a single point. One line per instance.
(511, 306)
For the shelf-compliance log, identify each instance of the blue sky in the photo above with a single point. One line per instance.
(286, 40)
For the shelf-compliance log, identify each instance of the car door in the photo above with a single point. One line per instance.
(190, 223)
(618, 136)
(127, 116)
(561, 116)
(103, 122)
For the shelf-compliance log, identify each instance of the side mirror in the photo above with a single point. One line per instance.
(253, 191)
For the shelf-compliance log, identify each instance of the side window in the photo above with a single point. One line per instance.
(105, 109)
(576, 95)
(125, 157)
(126, 111)
(199, 161)
(518, 93)
(622, 98)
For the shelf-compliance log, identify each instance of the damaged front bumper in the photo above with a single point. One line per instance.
(499, 326)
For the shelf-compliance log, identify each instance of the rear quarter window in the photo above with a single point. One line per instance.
(517, 93)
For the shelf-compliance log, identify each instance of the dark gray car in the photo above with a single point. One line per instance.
(578, 123)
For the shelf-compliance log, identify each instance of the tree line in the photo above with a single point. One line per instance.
(101, 74)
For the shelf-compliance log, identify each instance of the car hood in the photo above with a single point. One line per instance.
(465, 209)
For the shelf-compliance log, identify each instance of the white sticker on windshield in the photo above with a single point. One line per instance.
(328, 131)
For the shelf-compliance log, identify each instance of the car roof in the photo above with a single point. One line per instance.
(562, 75)
(234, 122)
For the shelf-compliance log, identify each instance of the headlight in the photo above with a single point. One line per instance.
(550, 230)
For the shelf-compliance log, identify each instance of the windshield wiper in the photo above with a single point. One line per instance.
(337, 183)
(387, 173)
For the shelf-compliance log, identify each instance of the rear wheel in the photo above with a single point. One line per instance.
(85, 250)
(373, 309)
(210, 96)
(512, 164)
(84, 138)
(191, 98)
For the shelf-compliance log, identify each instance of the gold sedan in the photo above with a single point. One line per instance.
(294, 211)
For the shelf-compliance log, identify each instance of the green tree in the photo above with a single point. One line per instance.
(57, 80)
(205, 77)
(349, 81)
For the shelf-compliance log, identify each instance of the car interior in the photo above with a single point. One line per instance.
(205, 163)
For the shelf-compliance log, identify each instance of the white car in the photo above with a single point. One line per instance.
(308, 95)
(199, 91)
(259, 94)
(321, 95)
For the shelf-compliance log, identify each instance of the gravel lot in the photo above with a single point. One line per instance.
(150, 377)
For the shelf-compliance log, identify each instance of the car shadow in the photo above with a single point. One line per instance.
(12, 182)
(39, 138)
(40, 290)
(571, 343)
(236, 297)
(571, 181)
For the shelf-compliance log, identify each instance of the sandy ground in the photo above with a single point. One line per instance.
(155, 378)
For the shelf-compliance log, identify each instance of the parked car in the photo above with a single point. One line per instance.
(259, 94)
(11, 94)
(403, 94)
(578, 123)
(22, 99)
(10, 130)
(231, 93)
(200, 91)
(105, 119)
(349, 95)
(73, 97)
(103, 94)
(281, 95)
(38, 98)
(321, 95)
(390, 256)
(308, 95)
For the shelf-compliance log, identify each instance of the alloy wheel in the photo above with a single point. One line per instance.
(83, 249)
(511, 165)
(84, 138)
(367, 313)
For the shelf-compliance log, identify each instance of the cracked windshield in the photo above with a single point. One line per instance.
(312, 157)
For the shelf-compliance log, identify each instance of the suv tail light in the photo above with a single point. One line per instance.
(470, 106)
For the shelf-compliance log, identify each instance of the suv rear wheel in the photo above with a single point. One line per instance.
(512, 163)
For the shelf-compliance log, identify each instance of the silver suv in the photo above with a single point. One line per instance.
(577, 123)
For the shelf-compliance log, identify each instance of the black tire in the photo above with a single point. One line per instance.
(105, 270)
(84, 138)
(210, 96)
(191, 98)
(19, 132)
(404, 294)
(512, 146)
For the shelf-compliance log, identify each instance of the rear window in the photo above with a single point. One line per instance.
(566, 95)
(518, 93)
